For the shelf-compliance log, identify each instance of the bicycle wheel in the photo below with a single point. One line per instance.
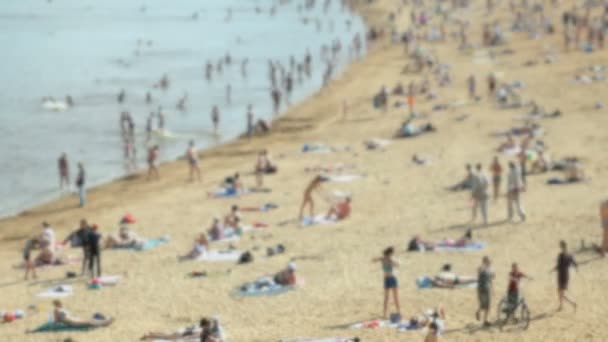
(524, 316)
(503, 313)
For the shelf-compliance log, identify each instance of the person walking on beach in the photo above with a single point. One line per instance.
(81, 237)
(152, 160)
(391, 284)
(479, 194)
(192, 157)
(496, 169)
(308, 200)
(215, 118)
(485, 277)
(64, 171)
(564, 261)
(514, 188)
(80, 184)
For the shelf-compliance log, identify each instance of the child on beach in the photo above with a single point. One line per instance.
(515, 277)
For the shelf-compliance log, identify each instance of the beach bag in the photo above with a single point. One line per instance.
(245, 258)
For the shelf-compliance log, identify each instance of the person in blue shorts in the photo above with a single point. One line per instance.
(391, 284)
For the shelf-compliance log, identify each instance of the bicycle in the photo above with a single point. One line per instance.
(519, 312)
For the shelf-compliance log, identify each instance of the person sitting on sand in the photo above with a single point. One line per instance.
(231, 218)
(286, 277)
(216, 231)
(467, 182)
(125, 239)
(263, 166)
(340, 210)
(233, 185)
(209, 330)
(447, 279)
(541, 164)
(416, 244)
(61, 315)
(201, 246)
(47, 253)
(308, 200)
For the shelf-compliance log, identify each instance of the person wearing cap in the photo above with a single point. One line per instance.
(340, 210)
(286, 277)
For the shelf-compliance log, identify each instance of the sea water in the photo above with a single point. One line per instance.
(93, 49)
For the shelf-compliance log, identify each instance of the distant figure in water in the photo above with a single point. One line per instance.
(148, 98)
(208, 71)
(181, 103)
(250, 118)
(215, 118)
(276, 100)
(161, 119)
(121, 96)
(164, 82)
(149, 127)
(80, 184)
(64, 171)
(244, 67)
(69, 101)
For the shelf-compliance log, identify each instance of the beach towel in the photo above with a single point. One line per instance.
(317, 220)
(425, 282)
(473, 246)
(58, 327)
(219, 256)
(59, 291)
(227, 193)
(108, 280)
(316, 148)
(147, 245)
(264, 208)
(343, 178)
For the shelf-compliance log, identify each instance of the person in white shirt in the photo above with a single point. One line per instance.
(514, 187)
(479, 193)
(47, 245)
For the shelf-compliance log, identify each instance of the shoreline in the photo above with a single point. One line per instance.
(52, 195)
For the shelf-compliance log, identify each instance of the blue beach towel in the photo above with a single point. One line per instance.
(474, 246)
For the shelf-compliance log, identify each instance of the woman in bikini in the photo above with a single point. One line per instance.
(391, 284)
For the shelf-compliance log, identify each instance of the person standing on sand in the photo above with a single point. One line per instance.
(485, 277)
(496, 169)
(514, 188)
(193, 162)
(315, 184)
(564, 261)
(152, 160)
(275, 94)
(92, 243)
(391, 284)
(80, 184)
(215, 118)
(250, 118)
(479, 193)
(64, 171)
(604, 219)
(471, 84)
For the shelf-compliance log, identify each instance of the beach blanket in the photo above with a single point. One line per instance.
(147, 245)
(254, 290)
(59, 291)
(344, 178)
(425, 282)
(219, 256)
(264, 208)
(227, 193)
(316, 148)
(317, 220)
(109, 280)
(401, 326)
(58, 327)
(473, 246)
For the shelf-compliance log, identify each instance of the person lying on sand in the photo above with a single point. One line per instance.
(510, 144)
(573, 173)
(201, 246)
(425, 319)
(308, 200)
(408, 129)
(61, 315)
(417, 244)
(466, 183)
(285, 277)
(209, 327)
(125, 239)
(447, 279)
(340, 210)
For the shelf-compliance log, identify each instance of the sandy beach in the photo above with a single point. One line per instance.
(394, 200)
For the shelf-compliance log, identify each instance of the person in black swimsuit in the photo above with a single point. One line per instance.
(564, 261)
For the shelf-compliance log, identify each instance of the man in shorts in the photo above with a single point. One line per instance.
(485, 276)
